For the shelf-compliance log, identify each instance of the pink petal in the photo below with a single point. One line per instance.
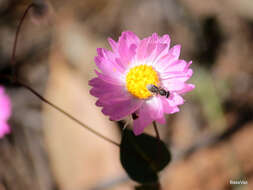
(154, 107)
(152, 48)
(160, 51)
(130, 38)
(103, 84)
(175, 51)
(166, 60)
(113, 97)
(154, 38)
(110, 79)
(5, 106)
(162, 47)
(176, 66)
(106, 62)
(107, 92)
(170, 104)
(151, 110)
(187, 88)
(179, 87)
(4, 129)
(143, 121)
(100, 92)
(175, 100)
(141, 51)
(168, 109)
(113, 45)
(161, 120)
(173, 77)
(126, 53)
(127, 37)
(121, 109)
(146, 47)
(125, 49)
(5, 112)
(165, 39)
(175, 86)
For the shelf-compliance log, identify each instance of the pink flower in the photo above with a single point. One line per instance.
(140, 77)
(5, 112)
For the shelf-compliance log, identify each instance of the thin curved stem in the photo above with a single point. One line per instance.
(18, 82)
(14, 74)
(15, 80)
(65, 113)
(156, 130)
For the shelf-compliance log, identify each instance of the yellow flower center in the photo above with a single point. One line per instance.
(138, 78)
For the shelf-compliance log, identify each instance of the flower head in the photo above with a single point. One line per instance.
(5, 112)
(141, 77)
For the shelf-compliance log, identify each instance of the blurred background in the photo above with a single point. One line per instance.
(211, 138)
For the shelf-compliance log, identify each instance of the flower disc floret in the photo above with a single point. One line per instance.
(138, 78)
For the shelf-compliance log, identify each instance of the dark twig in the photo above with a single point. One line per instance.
(65, 113)
(14, 74)
(15, 80)
(156, 130)
(18, 82)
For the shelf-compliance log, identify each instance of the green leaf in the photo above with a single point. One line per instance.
(143, 156)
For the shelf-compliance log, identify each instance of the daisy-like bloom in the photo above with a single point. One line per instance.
(5, 112)
(144, 78)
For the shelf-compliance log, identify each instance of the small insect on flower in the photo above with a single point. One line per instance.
(142, 78)
(158, 90)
